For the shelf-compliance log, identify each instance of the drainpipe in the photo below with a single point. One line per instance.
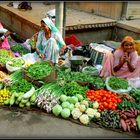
(59, 16)
(64, 21)
(124, 10)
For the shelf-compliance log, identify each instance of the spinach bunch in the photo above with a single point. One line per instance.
(117, 83)
(72, 88)
(97, 81)
(21, 85)
(20, 49)
(39, 70)
(5, 56)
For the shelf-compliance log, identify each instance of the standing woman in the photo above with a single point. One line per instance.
(49, 43)
(124, 63)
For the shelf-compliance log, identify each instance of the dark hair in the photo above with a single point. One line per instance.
(42, 21)
(1, 34)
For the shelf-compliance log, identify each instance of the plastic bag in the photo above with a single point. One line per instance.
(29, 58)
(135, 82)
(11, 68)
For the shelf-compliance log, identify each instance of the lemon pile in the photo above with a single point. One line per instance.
(4, 95)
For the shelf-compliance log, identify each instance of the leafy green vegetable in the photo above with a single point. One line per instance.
(117, 83)
(39, 70)
(5, 56)
(65, 75)
(20, 49)
(21, 85)
(17, 62)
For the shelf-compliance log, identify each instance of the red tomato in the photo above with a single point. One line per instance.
(105, 104)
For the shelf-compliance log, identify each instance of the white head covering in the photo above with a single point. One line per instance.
(50, 24)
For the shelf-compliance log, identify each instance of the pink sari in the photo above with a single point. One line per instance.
(5, 43)
(111, 60)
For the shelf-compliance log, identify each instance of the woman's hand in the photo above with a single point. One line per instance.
(41, 56)
(63, 50)
(124, 58)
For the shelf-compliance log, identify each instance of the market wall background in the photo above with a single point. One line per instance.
(25, 27)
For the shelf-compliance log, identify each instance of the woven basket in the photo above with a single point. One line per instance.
(48, 79)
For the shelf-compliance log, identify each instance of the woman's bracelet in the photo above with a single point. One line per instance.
(3, 37)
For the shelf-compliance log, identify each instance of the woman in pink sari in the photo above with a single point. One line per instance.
(124, 62)
(4, 33)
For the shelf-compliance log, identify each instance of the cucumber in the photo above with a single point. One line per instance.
(24, 101)
(21, 105)
(33, 98)
(7, 102)
(20, 97)
(138, 121)
(16, 102)
(28, 104)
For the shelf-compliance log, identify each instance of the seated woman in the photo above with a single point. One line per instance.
(4, 33)
(124, 62)
(49, 42)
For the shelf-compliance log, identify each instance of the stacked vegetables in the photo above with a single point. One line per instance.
(22, 99)
(46, 101)
(129, 119)
(4, 95)
(76, 107)
(118, 85)
(109, 119)
(21, 85)
(107, 100)
(15, 64)
(39, 70)
(96, 81)
(5, 56)
(20, 49)
(73, 88)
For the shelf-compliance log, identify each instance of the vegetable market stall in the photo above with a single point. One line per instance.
(75, 96)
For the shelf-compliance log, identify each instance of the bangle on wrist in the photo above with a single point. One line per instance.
(2, 38)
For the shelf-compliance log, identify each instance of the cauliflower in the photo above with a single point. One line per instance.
(82, 107)
(77, 104)
(85, 103)
(95, 105)
(84, 119)
(91, 112)
(97, 114)
(76, 113)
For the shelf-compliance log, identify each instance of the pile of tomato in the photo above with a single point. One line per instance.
(106, 99)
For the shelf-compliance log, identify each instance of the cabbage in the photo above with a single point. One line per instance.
(71, 107)
(73, 100)
(68, 98)
(57, 109)
(63, 98)
(65, 104)
(80, 97)
(65, 113)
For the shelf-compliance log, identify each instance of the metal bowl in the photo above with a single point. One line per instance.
(77, 60)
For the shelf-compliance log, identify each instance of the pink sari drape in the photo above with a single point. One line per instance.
(112, 60)
(5, 43)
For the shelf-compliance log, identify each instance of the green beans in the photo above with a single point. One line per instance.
(118, 83)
